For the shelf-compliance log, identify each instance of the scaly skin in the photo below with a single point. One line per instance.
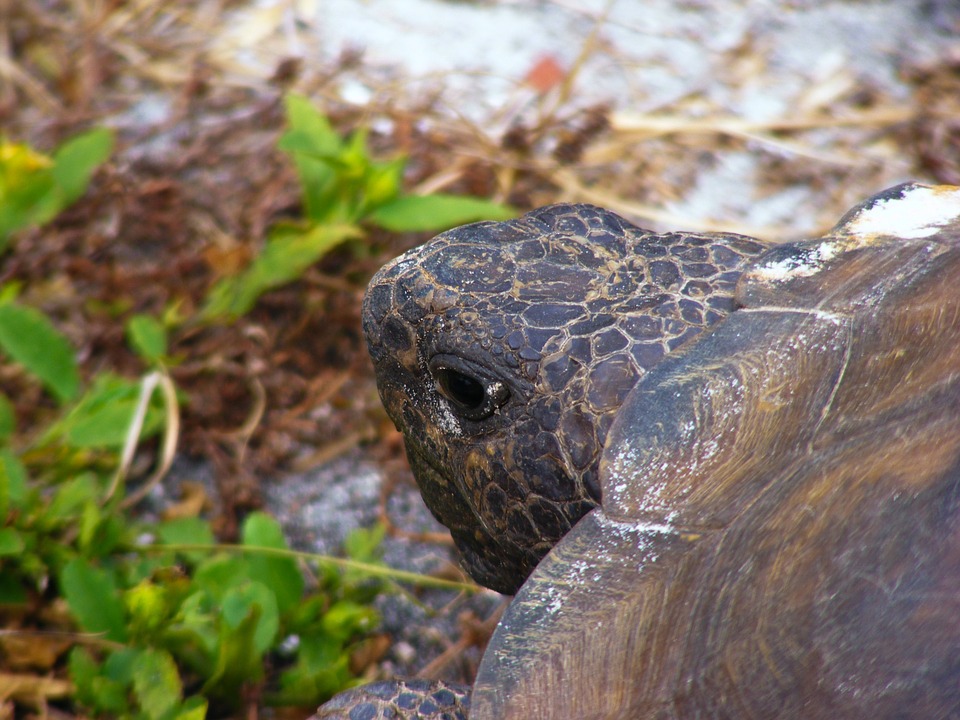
(503, 351)
(395, 699)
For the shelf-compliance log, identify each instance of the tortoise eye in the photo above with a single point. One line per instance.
(472, 392)
(461, 389)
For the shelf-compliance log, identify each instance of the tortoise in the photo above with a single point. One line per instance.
(722, 477)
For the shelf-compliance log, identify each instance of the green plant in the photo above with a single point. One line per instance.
(343, 188)
(171, 624)
(34, 187)
(197, 627)
(177, 624)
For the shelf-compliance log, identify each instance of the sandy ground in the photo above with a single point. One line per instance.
(760, 62)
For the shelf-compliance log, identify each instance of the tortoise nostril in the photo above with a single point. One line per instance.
(462, 389)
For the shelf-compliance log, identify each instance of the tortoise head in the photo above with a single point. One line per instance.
(504, 350)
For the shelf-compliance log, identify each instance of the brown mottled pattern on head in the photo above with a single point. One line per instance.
(504, 350)
(397, 699)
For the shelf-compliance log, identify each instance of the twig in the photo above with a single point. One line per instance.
(367, 568)
(171, 432)
(631, 124)
(468, 638)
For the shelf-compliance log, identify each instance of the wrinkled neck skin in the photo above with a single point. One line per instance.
(503, 351)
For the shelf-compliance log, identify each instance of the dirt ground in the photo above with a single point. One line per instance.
(768, 118)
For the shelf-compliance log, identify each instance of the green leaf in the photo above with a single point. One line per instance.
(27, 336)
(10, 542)
(105, 426)
(147, 605)
(83, 668)
(90, 520)
(197, 628)
(322, 669)
(310, 127)
(34, 187)
(413, 213)
(280, 574)
(12, 591)
(93, 599)
(345, 619)
(195, 708)
(72, 495)
(287, 254)
(309, 140)
(253, 599)
(238, 660)
(354, 162)
(186, 531)
(119, 664)
(28, 193)
(363, 544)
(93, 688)
(147, 337)
(13, 482)
(308, 683)
(318, 183)
(10, 291)
(8, 421)
(101, 419)
(156, 682)
(76, 160)
(111, 697)
(220, 573)
(319, 651)
(383, 182)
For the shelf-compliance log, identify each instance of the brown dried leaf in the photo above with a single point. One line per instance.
(369, 652)
(193, 501)
(32, 689)
(32, 650)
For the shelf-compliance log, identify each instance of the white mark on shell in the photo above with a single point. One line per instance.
(641, 534)
(920, 212)
(792, 267)
(620, 544)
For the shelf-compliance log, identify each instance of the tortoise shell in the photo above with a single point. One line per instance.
(779, 527)
(780, 530)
